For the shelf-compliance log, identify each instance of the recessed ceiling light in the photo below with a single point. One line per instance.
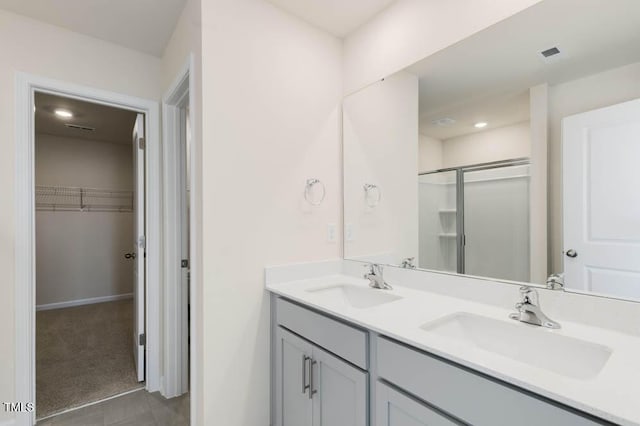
(63, 113)
(480, 125)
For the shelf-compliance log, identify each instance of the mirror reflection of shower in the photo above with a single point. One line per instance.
(475, 219)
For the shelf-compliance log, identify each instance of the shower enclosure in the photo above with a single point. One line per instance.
(475, 220)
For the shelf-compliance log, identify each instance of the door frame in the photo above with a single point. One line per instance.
(25, 277)
(177, 365)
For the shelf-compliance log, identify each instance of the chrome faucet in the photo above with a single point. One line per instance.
(529, 310)
(375, 277)
(407, 263)
(555, 282)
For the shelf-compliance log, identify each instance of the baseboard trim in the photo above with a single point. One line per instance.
(79, 302)
(141, 387)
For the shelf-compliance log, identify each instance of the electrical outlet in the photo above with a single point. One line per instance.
(331, 232)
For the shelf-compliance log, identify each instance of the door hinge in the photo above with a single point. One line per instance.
(141, 143)
(142, 339)
(184, 263)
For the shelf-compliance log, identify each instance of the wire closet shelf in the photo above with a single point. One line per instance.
(66, 198)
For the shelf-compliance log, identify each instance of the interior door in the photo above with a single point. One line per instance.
(601, 218)
(185, 185)
(139, 246)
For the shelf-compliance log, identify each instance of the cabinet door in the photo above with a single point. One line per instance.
(293, 361)
(396, 409)
(339, 391)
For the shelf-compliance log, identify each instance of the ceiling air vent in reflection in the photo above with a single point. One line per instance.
(85, 128)
(550, 52)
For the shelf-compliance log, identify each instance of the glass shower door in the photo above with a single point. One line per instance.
(437, 225)
(496, 222)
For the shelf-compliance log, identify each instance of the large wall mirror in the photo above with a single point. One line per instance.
(512, 155)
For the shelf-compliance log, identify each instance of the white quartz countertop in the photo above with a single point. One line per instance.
(613, 395)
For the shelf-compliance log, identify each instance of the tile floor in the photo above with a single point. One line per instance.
(138, 408)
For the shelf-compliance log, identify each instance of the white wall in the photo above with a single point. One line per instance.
(33, 47)
(596, 91)
(429, 153)
(437, 221)
(271, 100)
(503, 143)
(410, 30)
(380, 141)
(80, 255)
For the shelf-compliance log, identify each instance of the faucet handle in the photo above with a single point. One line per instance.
(529, 295)
(525, 289)
(377, 268)
(369, 269)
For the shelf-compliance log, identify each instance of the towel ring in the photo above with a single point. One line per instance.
(308, 191)
(370, 188)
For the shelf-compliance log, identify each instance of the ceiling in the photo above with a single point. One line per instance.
(499, 111)
(143, 25)
(505, 57)
(112, 125)
(338, 17)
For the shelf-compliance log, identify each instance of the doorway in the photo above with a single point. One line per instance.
(27, 86)
(90, 252)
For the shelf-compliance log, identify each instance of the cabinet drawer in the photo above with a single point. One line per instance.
(347, 342)
(466, 395)
(397, 409)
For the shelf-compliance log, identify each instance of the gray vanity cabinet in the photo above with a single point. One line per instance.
(341, 398)
(314, 387)
(394, 408)
(328, 372)
(294, 356)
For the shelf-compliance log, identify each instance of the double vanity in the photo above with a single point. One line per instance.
(354, 347)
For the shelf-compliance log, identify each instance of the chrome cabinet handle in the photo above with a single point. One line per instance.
(305, 386)
(312, 391)
(572, 253)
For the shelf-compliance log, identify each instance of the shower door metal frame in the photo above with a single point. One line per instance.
(461, 239)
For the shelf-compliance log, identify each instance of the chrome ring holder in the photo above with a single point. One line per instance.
(308, 192)
(369, 189)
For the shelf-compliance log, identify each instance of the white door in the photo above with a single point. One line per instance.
(139, 244)
(601, 179)
(184, 232)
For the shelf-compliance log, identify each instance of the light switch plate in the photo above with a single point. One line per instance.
(331, 232)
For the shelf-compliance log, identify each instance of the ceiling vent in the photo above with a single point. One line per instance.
(550, 52)
(444, 122)
(85, 128)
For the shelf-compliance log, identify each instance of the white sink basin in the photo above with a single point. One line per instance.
(531, 345)
(348, 295)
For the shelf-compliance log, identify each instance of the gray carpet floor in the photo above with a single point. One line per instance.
(83, 354)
